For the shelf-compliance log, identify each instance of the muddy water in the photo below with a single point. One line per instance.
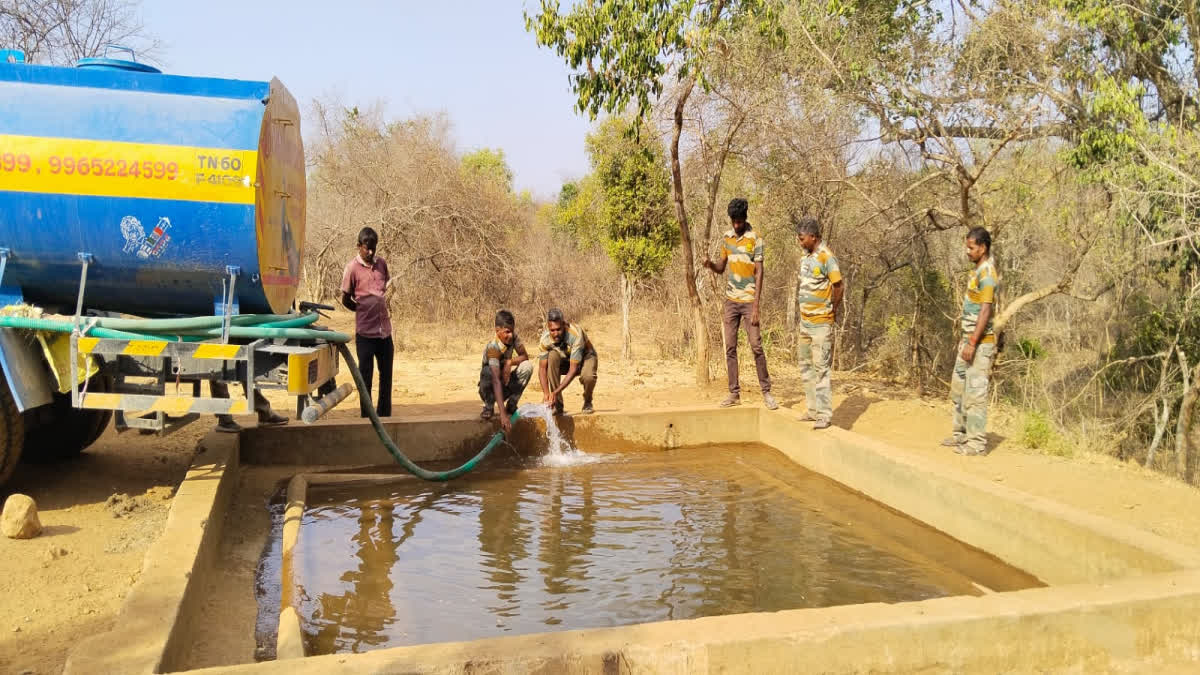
(630, 539)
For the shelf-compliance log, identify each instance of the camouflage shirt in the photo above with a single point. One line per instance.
(981, 288)
(495, 353)
(575, 344)
(818, 273)
(741, 253)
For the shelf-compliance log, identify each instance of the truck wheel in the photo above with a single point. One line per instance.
(100, 420)
(70, 430)
(12, 432)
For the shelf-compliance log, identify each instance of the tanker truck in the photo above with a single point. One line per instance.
(151, 228)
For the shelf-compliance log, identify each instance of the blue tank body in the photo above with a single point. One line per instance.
(163, 182)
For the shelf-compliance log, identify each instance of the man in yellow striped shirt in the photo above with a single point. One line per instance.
(742, 254)
(976, 349)
(819, 294)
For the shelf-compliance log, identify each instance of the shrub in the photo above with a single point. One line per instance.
(1038, 432)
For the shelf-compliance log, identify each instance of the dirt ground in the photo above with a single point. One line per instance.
(102, 511)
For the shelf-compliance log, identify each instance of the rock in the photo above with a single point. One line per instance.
(118, 504)
(56, 552)
(159, 492)
(20, 519)
(122, 504)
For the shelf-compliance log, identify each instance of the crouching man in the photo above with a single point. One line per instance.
(506, 370)
(564, 353)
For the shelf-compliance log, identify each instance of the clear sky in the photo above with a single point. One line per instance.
(469, 58)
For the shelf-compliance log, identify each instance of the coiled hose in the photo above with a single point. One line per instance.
(254, 326)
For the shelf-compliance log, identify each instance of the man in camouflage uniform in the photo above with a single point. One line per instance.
(742, 253)
(819, 294)
(563, 353)
(969, 383)
(506, 370)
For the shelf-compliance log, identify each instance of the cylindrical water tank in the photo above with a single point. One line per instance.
(163, 182)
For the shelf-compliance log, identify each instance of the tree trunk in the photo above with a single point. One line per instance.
(1184, 462)
(1160, 428)
(914, 353)
(793, 289)
(626, 301)
(862, 319)
(689, 264)
(714, 186)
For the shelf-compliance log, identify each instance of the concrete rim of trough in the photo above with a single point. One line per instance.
(151, 631)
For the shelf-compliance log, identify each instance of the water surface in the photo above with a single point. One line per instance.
(629, 539)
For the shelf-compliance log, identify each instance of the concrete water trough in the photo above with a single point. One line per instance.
(1113, 597)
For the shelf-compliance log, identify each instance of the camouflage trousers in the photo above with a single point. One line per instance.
(969, 393)
(815, 351)
(517, 381)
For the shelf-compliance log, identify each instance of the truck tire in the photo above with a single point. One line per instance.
(12, 432)
(71, 430)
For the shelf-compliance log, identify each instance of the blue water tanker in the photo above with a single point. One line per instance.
(127, 191)
(170, 188)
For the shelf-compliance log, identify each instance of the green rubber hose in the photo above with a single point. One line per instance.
(56, 326)
(256, 332)
(192, 323)
(255, 326)
(253, 332)
(424, 474)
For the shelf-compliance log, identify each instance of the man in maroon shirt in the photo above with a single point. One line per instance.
(363, 284)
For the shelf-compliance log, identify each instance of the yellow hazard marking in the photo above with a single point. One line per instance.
(238, 407)
(215, 351)
(144, 348)
(173, 405)
(103, 168)
(101, 401)
(87, 344)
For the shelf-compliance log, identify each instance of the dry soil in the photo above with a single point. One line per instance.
(102, 511)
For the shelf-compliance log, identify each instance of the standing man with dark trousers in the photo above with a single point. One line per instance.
(742, 253)
(364, 282)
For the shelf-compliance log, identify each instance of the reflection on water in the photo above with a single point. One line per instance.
(673, 535)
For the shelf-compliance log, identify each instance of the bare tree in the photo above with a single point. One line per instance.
(63, 31)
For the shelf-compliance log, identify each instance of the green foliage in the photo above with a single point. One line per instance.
(1038, 432)
(490, 165)
(640, 233)
(577, 215)
(898, 325)
(1031, 349)
(1134, 65)
(888, 21)
(1152, 330)
(621, 50)
(1111, 138)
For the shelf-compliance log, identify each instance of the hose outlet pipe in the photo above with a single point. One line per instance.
(315, 411)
